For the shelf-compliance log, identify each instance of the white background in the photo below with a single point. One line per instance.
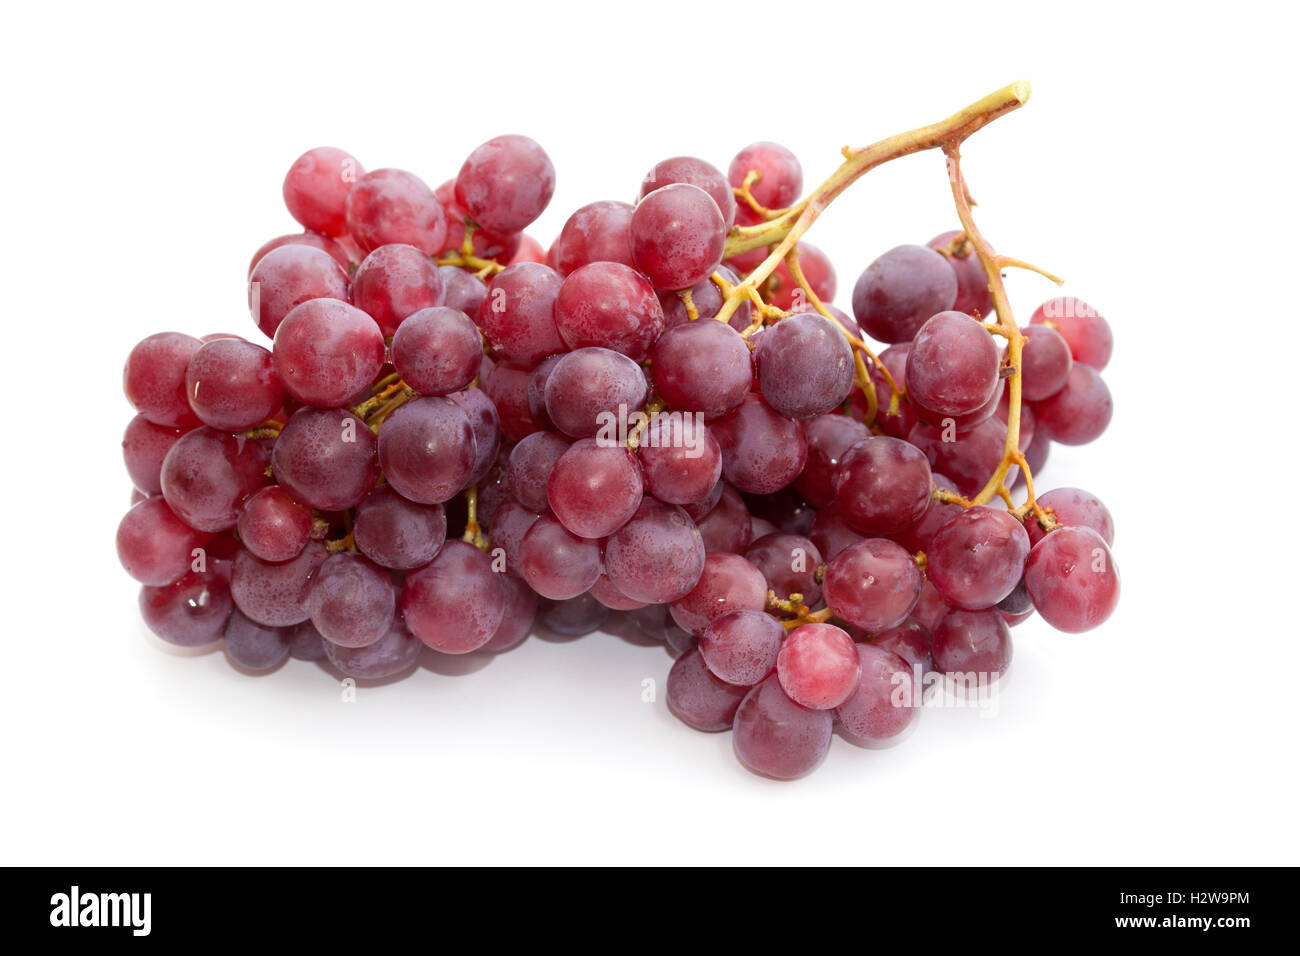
(1154, 168)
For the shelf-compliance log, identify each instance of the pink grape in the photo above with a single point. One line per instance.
(695, 172)
(777, 737)
(154, 546)
(396, 533)
(592, 390)
(530, 465)
(805, 366)
(274, 526)
(1088, 334)
(972, 642)
(555, 562)
(702, 366)
(326, 458)
(899, 291)
(780, 177)
(609, 305)
(393, 206)
(455, 603)
(882, 485)
(978, 557)
(883, 705)
(952, 367)
(741, 647)
(680, 459)
(657, 556)
(232, 384)
(1072, 579)
(508, 527)
(507, 387)
(787, 294)
(1080, 411)
(699, 699)
(598, 232)
(728, 582)
(427, 450)
(437, 351)
(351, 601)
(506, 183)
(461, 290)
(289, 276)
(154, 379)
(207, 475)
(486, 425)
(190, 611)
(327, 351)
(678, 236)
(830, 533)
(1045, 363)
(818, 666)
(144, 446)
(762, 451)
(316, 189)
(396, 652)
(486, 244)
(274, 594)
(614, 599)
(873, 584)
(396, 281)
(518, 314)
(253, 646)
(594, 490)
(910, 641)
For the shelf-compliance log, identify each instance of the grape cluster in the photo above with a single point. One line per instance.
(455, 434)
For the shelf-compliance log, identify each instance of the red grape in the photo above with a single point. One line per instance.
(1079, 412)
(678, 236)
(455, 603)
(1073, 507)
(396, 652)
(610, 305)
(350, 600)
(741, 647)
(518, 314)
(595, 489)
(289, 276)
(898, 292)
(154, 546)
(883, 704)
(972, 642)
(274, 594)
(190, 611)
(702, 366)
(207, 475)
(699, 699)
(882, 485)
(154, 379)
(952, 367)
(327, 351)
(326, 458)
(973, 295)
(780, 178)
(1045, 363)
(396, 533)
(144, 446)
(593, 391)
(598, 232)
(393, 206)
(788, 563)
(506, 183)
(437, 350)
(873, 584)
(555, 562)
(818, 666)
(776, 737)
(395, 281)
(232, 384)
(727, 583)
(1072, 579)
(316, 189)
(695, 172)
(977, 558)
(1082, 326)
(657, 556)
(274, 526)
(805, 366)
(253, 646)
(762, 451)
(427, 450)
(680, 459)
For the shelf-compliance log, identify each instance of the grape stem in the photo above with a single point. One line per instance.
(473, 531)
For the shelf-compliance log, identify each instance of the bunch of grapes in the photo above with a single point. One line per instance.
(454, 434)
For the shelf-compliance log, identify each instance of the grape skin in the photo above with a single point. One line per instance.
(741, 647)
(609, 305)
(818, 666)
(519, 612)
(680, 459)
(530, 465)
(780, 177)
(275, 594)
(323, 243)
(775, 555)
(517, 315)
(593, 388)
(695, 172)
(952, 367)
(485, 424)
(829, 439)
(727, 526)
(437, 350)
(208, 474)
(598, 232)
(232, 384)
(702, 366)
